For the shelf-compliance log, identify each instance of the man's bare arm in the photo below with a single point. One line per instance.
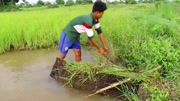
(100, 50)
(101, 37)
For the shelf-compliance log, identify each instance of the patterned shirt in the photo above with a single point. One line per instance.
(82, 24)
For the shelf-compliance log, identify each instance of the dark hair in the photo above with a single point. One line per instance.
(99, 6)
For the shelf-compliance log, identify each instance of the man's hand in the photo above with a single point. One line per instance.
(101, 51)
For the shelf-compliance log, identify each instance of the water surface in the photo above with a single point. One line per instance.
(24, 76)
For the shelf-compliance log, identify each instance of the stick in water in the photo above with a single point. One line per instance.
(108, 87)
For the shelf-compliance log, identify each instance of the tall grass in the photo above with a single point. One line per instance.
(34, 28)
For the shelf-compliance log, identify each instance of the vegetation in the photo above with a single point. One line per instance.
(141, 35)
(6, 2)
(9, 8)
(8, 5)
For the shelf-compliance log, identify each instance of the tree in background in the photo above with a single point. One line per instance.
(27, 3)
(79, 1)
(88, 1)
(84, 1)
(61, 2)
(1, 2)
(48, 3)
(131, 2)
(177, 1)
(140, 1)
(40, 3)
(9, 5)
(69, 3)
(6, 2)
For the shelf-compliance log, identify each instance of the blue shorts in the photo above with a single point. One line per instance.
(65, 44)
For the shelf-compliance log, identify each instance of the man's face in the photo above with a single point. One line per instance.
(98, 15)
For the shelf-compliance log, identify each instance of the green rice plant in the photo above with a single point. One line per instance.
(82, 69)
(128, 93)
(141, 6)
(157, 94)
(68, 80)
(36, 28)
(2, 45)
(160, 26)
(164, 9)
(173, 77)
(120, 72)
(136, 44)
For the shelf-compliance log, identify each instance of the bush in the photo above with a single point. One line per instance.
(69, 3)
(53, 6)
(60, 2)
(131, 2)
(40, 3)
(8, 8)
(164, 9)
(79, 1)
(176, 1)
(47, 3)
(114, 2)
(28, 6)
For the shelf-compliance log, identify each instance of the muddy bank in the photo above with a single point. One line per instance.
(82, 81)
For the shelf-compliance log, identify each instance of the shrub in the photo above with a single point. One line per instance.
(53, 6)
(8, 8)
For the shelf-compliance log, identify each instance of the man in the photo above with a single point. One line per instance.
(70, 37)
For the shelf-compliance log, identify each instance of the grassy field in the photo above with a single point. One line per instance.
(141, 35)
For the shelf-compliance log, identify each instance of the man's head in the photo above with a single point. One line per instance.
(98, 9)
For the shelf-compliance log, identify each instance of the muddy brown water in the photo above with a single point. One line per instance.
(24, 76)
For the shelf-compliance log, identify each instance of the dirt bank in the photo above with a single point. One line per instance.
(81, 81)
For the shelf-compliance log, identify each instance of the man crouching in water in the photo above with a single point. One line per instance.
(70, 36)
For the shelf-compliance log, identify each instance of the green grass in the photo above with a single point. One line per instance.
(141, 35)
(34, 27)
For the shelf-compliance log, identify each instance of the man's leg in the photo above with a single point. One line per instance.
(63, 46)
(77, 53)
(77, 50)
(62, 56)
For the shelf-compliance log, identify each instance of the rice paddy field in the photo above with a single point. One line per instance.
(140, 35)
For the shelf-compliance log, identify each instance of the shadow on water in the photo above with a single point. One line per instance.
(24, 76)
